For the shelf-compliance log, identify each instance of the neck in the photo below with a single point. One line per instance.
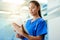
(35, 17)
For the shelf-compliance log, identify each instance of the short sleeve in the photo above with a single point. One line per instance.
(41, 28)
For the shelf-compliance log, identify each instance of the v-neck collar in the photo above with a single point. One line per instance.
(34, 20)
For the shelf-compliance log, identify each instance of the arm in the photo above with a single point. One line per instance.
(33, 37)
(19, 36)
(23, 32)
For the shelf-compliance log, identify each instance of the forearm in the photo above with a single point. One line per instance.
(33, 37)
(22, 32)
(19, 36)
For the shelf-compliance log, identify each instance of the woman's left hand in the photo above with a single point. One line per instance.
(19, 29)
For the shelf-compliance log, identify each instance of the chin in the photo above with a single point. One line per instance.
(33, 14)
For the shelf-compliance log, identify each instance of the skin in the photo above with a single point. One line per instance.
(20, 29)
(34, 10)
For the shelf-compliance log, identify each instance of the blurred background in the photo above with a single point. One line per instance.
(10, 10)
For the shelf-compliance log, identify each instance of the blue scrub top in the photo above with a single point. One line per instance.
(36, 28)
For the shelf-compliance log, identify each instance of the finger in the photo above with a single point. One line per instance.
(14, 30)
(14, 24)
(17, 35)
(22, 26)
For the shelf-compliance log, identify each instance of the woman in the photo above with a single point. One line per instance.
(35, 28)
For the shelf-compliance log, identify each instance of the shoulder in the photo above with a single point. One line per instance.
(42, 23)
(41, 20)
(28, 20)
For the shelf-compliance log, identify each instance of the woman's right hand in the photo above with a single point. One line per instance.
(19, 36)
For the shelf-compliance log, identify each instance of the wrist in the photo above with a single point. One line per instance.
(26, 35)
